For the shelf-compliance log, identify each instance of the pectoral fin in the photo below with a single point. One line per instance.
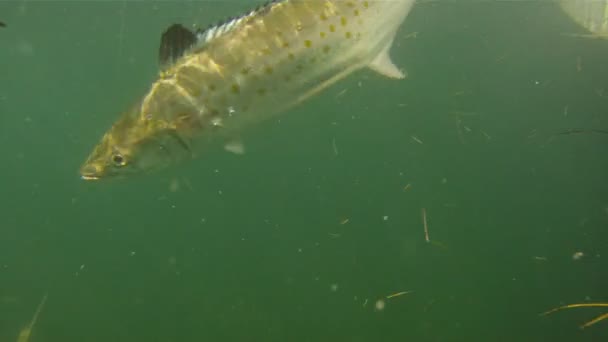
(383, 64)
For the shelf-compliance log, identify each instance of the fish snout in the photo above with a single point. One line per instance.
(90, 172)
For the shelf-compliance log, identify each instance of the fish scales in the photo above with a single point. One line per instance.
(270, 57)
(247, 70)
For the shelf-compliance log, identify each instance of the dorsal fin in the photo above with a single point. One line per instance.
(174, 42)
(177, 39)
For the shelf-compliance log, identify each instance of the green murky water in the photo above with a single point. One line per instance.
(299, 239)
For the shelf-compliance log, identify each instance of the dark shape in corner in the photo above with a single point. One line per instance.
(174, 42)
(2, 24)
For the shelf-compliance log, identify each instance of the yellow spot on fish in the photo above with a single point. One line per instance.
(326, 48)
(262, 91)
(212, 87)
(268, 70)
(343, 21)
(322, 34)
(323, 17)
(350, 4)
(235, 88)
(291, 56)
(307, 43)
(356, 12)
(348, 35)
(332, 28)
(285, 44)
(365, 4)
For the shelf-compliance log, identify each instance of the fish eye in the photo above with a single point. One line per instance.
(118, 159)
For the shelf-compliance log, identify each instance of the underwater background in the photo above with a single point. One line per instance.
(305, 236)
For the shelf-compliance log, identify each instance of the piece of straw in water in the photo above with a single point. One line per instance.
(397, 294)
(582, 305)
(26, 332)
(426, 228)
(416, 139)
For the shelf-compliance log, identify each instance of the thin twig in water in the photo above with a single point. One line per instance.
(334, 146)
(582, 305)
(426, 228)
(582, 130)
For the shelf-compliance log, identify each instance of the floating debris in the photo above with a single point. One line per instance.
(426, 228)
(411, 35)
(342, 92)
(380, 305)
(415, 138)
(486, 135)
(26, 332)
(582, 305)
(334, 147)
(397, 294)
(582, 130)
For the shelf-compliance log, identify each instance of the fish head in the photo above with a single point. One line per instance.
(135, 145)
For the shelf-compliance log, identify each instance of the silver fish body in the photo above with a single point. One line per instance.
(245, 71)
(590, 14)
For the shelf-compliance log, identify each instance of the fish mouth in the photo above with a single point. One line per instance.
(89, 172)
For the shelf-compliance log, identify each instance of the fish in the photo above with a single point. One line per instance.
(590, 14)
(215, 83)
